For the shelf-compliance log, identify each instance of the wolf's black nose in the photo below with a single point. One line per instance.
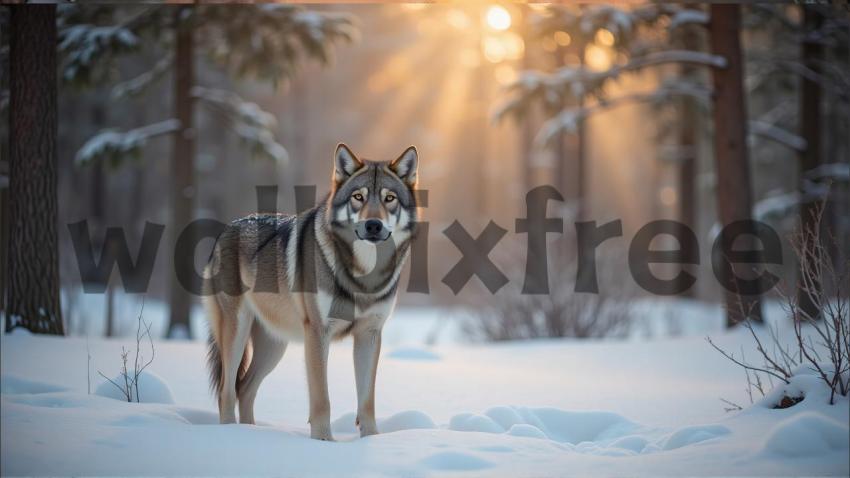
(374, 227)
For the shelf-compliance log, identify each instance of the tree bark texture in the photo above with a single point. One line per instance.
(33, 293)
(734, 190)
(182, 168)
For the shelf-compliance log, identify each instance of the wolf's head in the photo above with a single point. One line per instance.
(374, 200)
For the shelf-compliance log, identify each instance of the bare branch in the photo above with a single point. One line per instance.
(123, 391)
(742, 364)
(733, 407)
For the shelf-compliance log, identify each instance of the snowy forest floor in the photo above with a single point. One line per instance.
(542, 408)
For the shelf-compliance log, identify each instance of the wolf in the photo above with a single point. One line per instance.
(323, 274)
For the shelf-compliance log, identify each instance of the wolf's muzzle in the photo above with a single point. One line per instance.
(372, 230)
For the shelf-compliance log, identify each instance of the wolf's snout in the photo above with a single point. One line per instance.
(372, 230)
(373, 227)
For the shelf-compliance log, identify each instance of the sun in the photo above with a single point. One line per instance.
(498, 18)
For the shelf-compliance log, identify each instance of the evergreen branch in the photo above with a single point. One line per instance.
(779, 135)
(254, 126)
(136, 85)
(115, 146)
(568, 120)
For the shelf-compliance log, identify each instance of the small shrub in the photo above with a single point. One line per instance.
(128, 380)
(824, 345)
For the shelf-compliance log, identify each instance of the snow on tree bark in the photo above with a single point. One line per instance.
(33, 294)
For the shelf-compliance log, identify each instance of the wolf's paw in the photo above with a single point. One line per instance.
(321, 433)
(227, 419)
(367, 427)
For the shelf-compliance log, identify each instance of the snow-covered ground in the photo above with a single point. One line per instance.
(543, 408)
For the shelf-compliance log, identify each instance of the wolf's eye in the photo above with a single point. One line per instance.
(358, 196)
(389, 198)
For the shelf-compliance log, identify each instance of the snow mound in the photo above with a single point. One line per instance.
(807, 434)
(524, 430)
(19, 332)
(152, 389)
(413, 353)
(198, 417)
(407, 420)
(695, 434)
(14, 385)
(50, 400)
(804, 383)
(635, 443)
(471, 422)
(576, 427)
(552, 423)
(347, 423)
(506, 417)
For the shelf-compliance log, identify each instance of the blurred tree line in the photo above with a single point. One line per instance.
(716, 93)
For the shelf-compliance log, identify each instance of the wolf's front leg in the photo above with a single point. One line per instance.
(367, 348)
(316, 344)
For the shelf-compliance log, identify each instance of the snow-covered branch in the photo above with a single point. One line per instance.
(136, 85)
(84, 46)
(268, 42)
(115, 146)
(624, 23)
(815, 187)
(830, 172)
(830, 78)
(254, 126)
(687, 17)
(777, 206)
(777, 134)
(571, 74)
(568, 120)
(579, 81)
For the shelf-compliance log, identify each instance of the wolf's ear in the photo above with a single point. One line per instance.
(345, 163)
(406, 164)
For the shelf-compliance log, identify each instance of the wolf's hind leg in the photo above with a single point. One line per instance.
(234, 337)
(267, 352)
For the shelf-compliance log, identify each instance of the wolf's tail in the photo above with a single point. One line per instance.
(213, 348)
(214, 364)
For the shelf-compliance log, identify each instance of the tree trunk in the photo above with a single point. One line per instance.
(33, 301)
(528, 128)
(688, 147)
(4, 229)
(182, 170)
(582, 173)
(811, 54)
(110, 310)
(99, 221)
(734, 191)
